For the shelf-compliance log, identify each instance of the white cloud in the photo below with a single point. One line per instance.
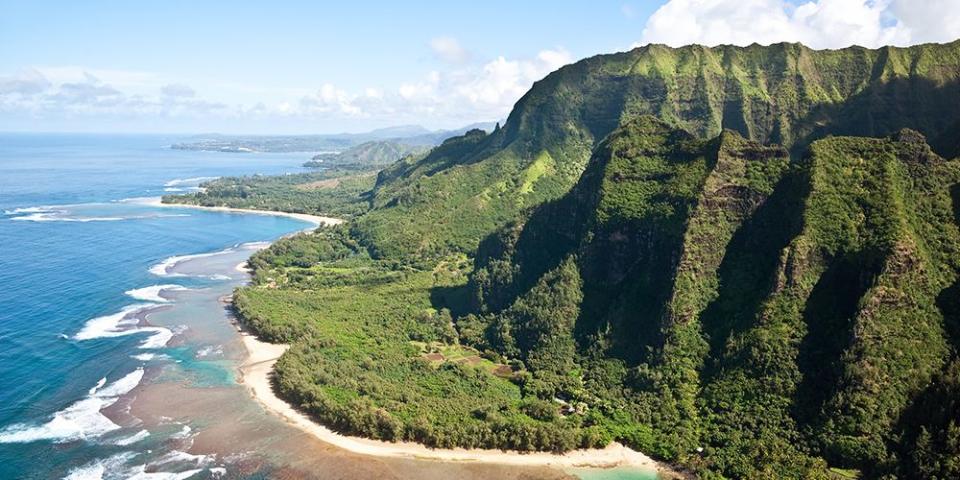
(78, 92)
(123, 79)
(327, 99)
(177, 90)
(91, 91)
(458, 94)
(467, 93)
(928, 20)
(448, 49)
(502, 82)
(26, 82)
(481, 91)
(423, 89)
(816, 23)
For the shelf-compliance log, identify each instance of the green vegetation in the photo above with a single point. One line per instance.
(786, 94)
(371, 356)
(685, 250)
(339, 193)
(367, 155)
(930, 429)
(845, 473)
(773, 315)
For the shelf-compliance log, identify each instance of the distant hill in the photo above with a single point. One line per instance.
(376, 153)
(409, 135)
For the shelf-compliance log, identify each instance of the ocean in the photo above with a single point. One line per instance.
(118, 358)
(76, 251)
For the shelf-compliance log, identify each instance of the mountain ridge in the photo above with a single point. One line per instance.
(786, 93)
(718, 308)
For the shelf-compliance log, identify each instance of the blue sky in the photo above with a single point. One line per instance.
(307, 67)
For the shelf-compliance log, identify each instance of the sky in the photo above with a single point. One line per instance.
(322, 67)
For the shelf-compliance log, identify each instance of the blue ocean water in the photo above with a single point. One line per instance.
(71, 245)
(116, 353)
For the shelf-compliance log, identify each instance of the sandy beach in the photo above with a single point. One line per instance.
(316, 220)
(256, 373)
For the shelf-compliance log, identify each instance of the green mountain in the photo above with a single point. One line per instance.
(767, 312)
(785, 93)
(742, 260)
(372, 154)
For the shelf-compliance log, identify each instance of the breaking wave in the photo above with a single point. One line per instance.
(81, 420)
(124, 323)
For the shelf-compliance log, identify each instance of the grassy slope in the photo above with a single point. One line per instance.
(424, 208)
(685, 293)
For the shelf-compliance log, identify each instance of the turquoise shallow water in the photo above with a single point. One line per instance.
(71, 245)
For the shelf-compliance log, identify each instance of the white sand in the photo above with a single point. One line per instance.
(256, 373)
(316, 220)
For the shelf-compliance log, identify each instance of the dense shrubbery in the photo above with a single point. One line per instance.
(338, 193)
(361, 332)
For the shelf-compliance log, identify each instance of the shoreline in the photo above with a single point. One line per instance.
(257, 369)
(315, 220)
(256, 373)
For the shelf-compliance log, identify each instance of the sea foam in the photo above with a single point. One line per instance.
(136, 437)
(80, 421)
(188, 181)
(140, 473)
(152, 293)
(19, 211)
(98, 468)
(115, 468)
(113, 325)
(162, 269)
(62, 213)
(61, 216)
(124, 323)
